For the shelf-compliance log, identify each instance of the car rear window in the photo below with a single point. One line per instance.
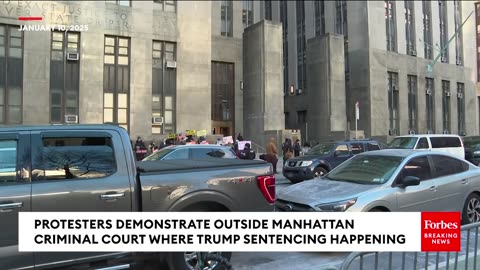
(443, 142)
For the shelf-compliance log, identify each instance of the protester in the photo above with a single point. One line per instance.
(297, 148)
(236, 150)
(140, 148)
(271, 155)
(287, 149)
(247, 152)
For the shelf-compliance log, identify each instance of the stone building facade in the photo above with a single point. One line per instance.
(154, 67)
(157, 67)
(387, 47)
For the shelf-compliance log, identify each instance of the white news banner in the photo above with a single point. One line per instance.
(220, 231)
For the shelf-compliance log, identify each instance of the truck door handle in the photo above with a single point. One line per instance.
(464, 182)
(10, 205)
(112, 196)
(433, 188)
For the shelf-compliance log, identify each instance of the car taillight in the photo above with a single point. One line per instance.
(266, 184)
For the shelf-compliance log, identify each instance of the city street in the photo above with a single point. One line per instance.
(283, 260)
(333, 260)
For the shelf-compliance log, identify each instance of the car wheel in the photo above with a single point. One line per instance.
(189, 261)
(319, 172)
(471, 209)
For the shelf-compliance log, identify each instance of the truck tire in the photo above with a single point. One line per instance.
(187, 261)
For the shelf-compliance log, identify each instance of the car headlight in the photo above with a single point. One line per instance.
(337, 206)
(306, 163)
(285, 164)
(476, 153)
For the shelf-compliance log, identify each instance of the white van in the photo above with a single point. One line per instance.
(452, 144)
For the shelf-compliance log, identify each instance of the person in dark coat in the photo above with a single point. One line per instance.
(248, 153)
(287, 149)
(236, 150)
(297, 148)
(140, 148)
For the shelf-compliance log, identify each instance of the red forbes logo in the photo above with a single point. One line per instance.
(441, 231)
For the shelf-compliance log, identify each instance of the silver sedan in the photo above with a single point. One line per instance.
(391, 180)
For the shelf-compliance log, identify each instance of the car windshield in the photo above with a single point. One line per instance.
(160, 154)
(321, 149)
(366, 169)
(403, 143)
(472, 143)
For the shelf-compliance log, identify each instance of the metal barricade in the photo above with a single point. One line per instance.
(466, 259)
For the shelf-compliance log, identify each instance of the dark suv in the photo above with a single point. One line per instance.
(472, 149)
(323, 157)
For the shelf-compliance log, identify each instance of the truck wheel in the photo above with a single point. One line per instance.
(188, 261)
(319, 172)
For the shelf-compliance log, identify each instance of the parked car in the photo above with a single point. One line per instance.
(91, 168)
(472, 149)
(391, 180)
(192, 151)
(322, 158)
(452, 144)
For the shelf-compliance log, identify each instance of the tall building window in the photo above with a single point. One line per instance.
(11, 74)
(459, 36)
(442, 9)
(227, 18)
(319, 18)
(166, 5)
(284, 20)
(247, 13)
(393, 99)
(412, 103)
(301, 47)
(223, 97)
(427, 29)
(430, 105)
(64, 76)
(391, 25)
(446, 106)
(164, 87)
(461, 108)
(268, 10)
(116, 81)
(410, 27)
(127, 3)
(477, 22)
(340, 17)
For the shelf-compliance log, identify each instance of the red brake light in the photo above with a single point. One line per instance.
(266, 184)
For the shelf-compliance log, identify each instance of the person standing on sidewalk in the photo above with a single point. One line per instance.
(297, 148)
(272, 154)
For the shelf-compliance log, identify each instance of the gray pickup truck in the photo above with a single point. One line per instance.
(92, 168)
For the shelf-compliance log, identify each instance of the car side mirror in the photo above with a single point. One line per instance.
(337, 153)
(410, 181)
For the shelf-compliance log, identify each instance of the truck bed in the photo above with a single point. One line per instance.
(190, 164)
